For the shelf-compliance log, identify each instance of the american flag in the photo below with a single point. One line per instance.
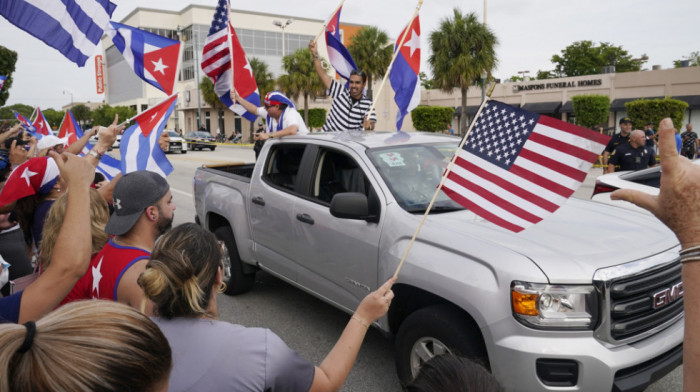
(517, 167)
(215, 56)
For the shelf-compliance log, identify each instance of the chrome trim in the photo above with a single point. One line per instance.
(603, 280)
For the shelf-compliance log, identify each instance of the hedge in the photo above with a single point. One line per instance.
(432, 118)
(317, 117)
(642, 111)
(591, 110)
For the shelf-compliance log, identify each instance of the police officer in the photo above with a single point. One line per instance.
(619, 138)
(634, 155)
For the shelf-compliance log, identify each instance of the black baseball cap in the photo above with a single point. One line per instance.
(625, 120)
(20, 142)
(134, 192)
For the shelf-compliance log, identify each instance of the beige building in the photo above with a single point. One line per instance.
(259, 37)
(553, 96)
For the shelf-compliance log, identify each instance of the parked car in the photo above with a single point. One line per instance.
(116, 144)
(647, 181)
(199, 140)
(177, 143)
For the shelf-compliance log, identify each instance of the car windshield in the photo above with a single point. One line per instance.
(412, 173)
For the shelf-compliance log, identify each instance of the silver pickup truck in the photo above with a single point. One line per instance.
(590, 299)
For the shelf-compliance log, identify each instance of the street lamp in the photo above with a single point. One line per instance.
(484, 75)
(524, 75)
(71, 97)
(283, 26)
(195, 47)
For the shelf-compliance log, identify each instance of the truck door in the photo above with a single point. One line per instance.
(338, 257)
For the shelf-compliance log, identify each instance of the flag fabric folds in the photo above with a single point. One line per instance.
(74, 28)
(216, 63)
(2, 81)
(40, 124)
(28, 127)
(405, 70)
(516, 167)
(34, 176)
(139, 145)
(152, 57)
(338, 54)
(70, 130)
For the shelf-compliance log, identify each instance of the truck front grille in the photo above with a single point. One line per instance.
(640, 301)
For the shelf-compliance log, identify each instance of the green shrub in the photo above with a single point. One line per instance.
(317, 117)
(431, 118)
(591, 110)
(642, 111)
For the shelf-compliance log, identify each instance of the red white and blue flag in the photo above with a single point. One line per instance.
(74, 28)
(40, 124)
(2, 81)
(152, 57)
(28, 126)
(71, 131)
(139, 145)
(338, 54)
(216, 63)
(404, 72)
(516, 167)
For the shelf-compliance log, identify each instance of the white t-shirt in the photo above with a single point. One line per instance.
(289, 117)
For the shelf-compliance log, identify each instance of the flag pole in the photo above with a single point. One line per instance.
(323, 28)
(396, 53)
(439, 187)
(229, 26)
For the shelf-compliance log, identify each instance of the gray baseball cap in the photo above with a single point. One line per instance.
(134, 193)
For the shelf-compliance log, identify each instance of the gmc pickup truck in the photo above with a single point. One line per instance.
(590, 299)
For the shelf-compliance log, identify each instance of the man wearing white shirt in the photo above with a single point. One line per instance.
(282, 118)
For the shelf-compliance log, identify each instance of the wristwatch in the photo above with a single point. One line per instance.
(95, 154)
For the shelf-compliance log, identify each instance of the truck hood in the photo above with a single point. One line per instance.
(575, 241)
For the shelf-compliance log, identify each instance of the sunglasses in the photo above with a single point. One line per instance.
(27, 147)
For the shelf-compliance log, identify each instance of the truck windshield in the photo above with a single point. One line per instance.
(413, 172)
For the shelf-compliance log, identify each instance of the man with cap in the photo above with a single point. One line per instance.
(281, 116)
(143, 210)
(649, 132)
(635, 155)
(350, 108)
(617, 139)
(690, 142)
(52, 143)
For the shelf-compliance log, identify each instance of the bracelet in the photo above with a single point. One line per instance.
(361, 321)
(687, 259)
(689, 250)
(95, 154)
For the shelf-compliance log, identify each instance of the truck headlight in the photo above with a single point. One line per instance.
(544, 306)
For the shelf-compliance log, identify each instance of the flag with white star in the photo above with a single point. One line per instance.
(40, 124)
(216, 63)
(34, 177)
(139, 145)
(405, 70)
(518, 167)
(152, 57)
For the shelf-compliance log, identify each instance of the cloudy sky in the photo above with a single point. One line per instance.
(529, 33)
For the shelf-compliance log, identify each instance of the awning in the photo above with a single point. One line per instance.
(692, 100)
(542, 107)
(568, 107)
(618, 105)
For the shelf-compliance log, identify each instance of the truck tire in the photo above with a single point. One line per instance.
(432, 331)
(237, 281)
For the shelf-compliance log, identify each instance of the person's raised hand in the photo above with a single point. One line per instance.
(376, 303)
(164, 141)
(75, 171)
(107, 136)
(312, 47)
(678, 202)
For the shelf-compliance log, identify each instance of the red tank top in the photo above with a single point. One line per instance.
(105, 271)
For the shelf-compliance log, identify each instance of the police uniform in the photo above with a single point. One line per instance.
(626, 157)
(616, 140)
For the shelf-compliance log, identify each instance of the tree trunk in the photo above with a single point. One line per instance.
(463, 114)
(306, 110)
(370, 93)
(252, 130)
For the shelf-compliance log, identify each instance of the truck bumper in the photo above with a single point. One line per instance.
(524, 359)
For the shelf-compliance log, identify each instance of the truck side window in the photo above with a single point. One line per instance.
(282, 167)
(335, 173)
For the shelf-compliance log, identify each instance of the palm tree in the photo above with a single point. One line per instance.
(206, 86)
(371, 50)
(462, 50)
(301, 78)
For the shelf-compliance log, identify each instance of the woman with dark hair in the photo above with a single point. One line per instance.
(450, 373)
(182, 279)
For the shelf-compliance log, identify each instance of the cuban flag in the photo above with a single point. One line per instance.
(139, 146)
(28, 126)
(74, 28)
(2, 81)
(70, 130)
(40, 124)
(152, 57)
(404, 72)
(338, 54)
(216, 63)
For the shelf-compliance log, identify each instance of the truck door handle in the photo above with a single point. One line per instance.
(258, 200)
(305, 218)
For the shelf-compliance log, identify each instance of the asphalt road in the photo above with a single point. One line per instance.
(307, 324)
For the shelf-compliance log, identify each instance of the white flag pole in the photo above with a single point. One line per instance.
(396, 53)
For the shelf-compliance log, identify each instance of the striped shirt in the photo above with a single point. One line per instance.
(344, 115)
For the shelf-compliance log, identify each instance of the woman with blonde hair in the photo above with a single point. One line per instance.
(85, 346)
(182, 279)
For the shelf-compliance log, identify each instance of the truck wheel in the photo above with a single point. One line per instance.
(432, 331)
(237, 281)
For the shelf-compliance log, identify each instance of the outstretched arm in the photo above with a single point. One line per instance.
(678, 206)
(246, 105)
(77, 147)
(325, 79)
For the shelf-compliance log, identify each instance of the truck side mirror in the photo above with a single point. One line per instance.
(350, 205)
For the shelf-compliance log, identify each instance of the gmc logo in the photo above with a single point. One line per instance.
(667, 296)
